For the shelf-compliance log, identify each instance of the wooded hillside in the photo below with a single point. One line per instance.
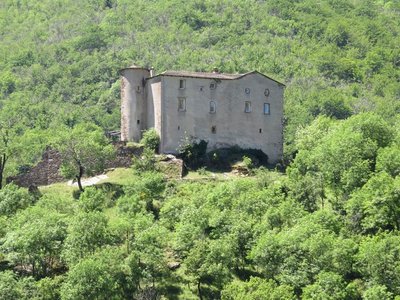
(326, 228)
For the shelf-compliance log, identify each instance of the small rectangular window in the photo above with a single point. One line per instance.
(213, 107)
(213, 86)
(181, 104)
(267, 109)
(182, 84)
(214, 129)
(247, 106)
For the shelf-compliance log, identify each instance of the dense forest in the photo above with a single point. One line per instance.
(327, 227)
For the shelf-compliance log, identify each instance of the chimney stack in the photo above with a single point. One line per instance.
(152, 73)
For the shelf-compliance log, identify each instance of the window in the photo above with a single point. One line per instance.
(267, 109)
(260, 130)
(213, 107)
(179, 127)
(138, 89)
(214, 129)
(138, 122)
(182, 84)
(247, 106)
(212, 86)
(247, 91)
(181, 104)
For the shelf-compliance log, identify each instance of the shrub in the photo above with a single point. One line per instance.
(150, 139)
(192, 152)
(92, 199)
(13, 198)
(147, 162)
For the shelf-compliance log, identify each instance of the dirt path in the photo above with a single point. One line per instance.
(88, 181)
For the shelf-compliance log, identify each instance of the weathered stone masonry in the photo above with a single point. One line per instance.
(47, 171)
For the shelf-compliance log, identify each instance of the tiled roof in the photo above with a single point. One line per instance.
(223, 76)
(201, 75)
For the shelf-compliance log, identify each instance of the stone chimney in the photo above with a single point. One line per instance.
(152, 72)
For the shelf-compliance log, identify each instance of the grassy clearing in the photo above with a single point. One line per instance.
(61, 189)
(123, 176)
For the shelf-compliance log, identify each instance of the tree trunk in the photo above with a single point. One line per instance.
(3, 160)
(1, 175)
(78, 178)
(199, 290)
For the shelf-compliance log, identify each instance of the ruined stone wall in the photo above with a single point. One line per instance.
(44, 173)
(123, 157)
(47, 171)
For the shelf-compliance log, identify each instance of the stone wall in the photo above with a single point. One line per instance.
(44, 173)
(47, 171)
(123, 157)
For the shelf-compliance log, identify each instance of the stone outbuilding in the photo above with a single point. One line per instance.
(224, 109)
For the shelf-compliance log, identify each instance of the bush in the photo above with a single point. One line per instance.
(92, 199)
(192, 152)
(147, 162)
(13, 198)
(150, 139)
(226, 157)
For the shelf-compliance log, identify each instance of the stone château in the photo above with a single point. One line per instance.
(224, 109)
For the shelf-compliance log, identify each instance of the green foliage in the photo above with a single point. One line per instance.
(376, 205)
(143, 194)
(34, 240)
(376, 292)
(388, 160)
(49, 288)
(92, 199)
(328, 230)
(378, 260)
(144, 163)
(96, 277)
(84, 151)
(13, 198)
(12, 288)
(8, 286)
(257, 288)
(192, 152)
(337, 157)
(329, 286)
(86, 233)
(247, 162)
(151, 139)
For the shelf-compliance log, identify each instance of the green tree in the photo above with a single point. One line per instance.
(9, 128)
(96, 277)
(13, 198)
(378, 261)
(329, 286)
(8, 286)
(388, 160)
(375, 206)
(207, 263)
(87, 232)
(377, 292)
(151, 139)
(257, 288)
(34, 240)
(84, 150)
